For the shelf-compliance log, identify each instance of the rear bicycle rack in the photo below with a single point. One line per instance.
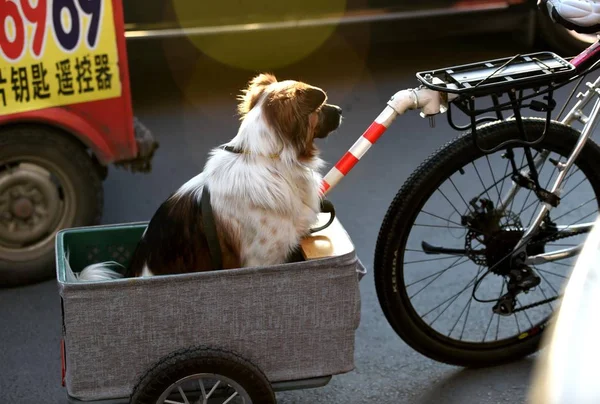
(538, 74)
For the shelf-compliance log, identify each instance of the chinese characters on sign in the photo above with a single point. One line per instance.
(56, 52)
(86, 74)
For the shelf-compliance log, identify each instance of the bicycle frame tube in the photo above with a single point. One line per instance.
(556, 189)
(575, 114)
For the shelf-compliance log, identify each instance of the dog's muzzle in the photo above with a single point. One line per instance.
(331, 118)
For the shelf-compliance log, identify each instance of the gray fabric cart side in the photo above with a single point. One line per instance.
(294, 321)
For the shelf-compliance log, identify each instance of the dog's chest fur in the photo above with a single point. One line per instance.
(263, 206)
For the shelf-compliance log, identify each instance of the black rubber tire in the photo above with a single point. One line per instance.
(202, 360)
(53, 146)
(403, 211)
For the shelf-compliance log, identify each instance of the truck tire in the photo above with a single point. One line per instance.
(48, 182)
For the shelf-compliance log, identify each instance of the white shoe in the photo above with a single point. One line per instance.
(582, 16)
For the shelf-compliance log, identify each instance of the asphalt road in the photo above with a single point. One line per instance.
(189, 104)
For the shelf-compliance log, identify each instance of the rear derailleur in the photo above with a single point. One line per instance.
(519, 280)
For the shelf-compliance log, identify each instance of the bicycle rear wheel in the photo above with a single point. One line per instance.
(454, 323)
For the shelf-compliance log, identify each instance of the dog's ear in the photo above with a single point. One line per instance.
(310, 98)
(251, 95)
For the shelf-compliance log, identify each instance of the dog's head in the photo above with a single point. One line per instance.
(295, 111)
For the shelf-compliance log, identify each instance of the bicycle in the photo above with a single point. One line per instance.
(504, 247)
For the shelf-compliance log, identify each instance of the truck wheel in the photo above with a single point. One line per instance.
(47, 182)
(200, 375)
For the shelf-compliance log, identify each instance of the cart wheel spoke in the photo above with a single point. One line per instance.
(213, 389)
(183, 395)
(205, 381)
(204, 398)
(230, 397)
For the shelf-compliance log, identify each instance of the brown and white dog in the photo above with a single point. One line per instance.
(264, 188)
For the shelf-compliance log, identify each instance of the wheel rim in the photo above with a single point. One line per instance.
(36, 200)
(525, 325)
(205, 388)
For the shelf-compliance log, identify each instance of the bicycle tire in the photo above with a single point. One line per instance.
(402, 212)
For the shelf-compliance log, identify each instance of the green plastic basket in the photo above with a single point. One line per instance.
(89, 245)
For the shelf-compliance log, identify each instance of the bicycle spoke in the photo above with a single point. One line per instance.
(429, 260)
(493, 177)
(458, 224)
(459, 194)
(417, 251)
(524, 312)
(451, 204)
(565, 230)
(562, 263)
(572, 189)
(466, 318)
(545, 187)
(545, 280)
(485, 190)
(427, 277)
(517, 321)
(512, 202)
(492, 316)
(531, 191)
(562, 231)
(583, 218)
(453, 298)
(460, 316)
(498, 325)
(453, 265)
(468, 305)
(552, 273)
(503, 181)
(546, 296)
(438, 226)
(574, 209)
(570, 175)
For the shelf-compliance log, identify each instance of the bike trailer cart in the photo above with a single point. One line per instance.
(65, 115)
(252, 330)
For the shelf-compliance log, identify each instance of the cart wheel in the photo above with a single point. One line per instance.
(47, 182)
(203, 376)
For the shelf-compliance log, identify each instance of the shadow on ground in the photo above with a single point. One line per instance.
(494, 385)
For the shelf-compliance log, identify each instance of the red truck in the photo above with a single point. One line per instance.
(65, 116)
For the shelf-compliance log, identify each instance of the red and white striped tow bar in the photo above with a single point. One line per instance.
(431, 102)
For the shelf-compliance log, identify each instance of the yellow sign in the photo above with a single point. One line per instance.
(56, 52)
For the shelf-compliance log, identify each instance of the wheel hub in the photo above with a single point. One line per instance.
(30, 201)
(22, 208)
(498, 232)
